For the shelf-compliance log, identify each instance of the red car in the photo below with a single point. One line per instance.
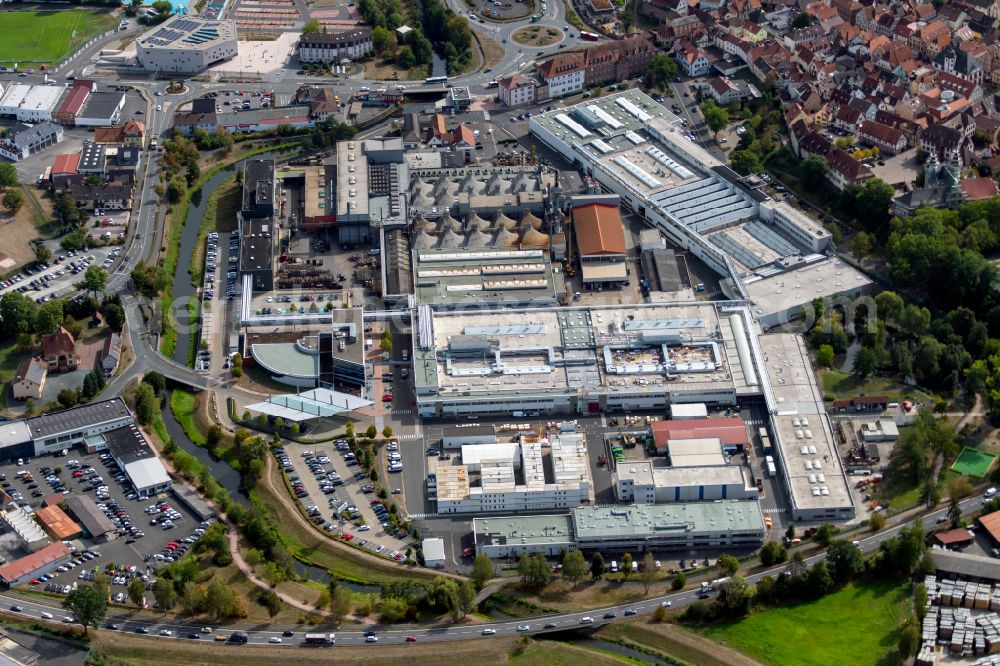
(346, 536)
(77, 474)
(468, 552)
(387, 397)
(411, 639)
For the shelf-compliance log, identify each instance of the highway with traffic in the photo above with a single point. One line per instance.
(257, 635)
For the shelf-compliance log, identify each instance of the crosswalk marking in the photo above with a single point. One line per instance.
(409, 436)
(773, 510)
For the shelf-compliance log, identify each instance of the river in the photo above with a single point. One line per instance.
(183, 290)
(230, 480)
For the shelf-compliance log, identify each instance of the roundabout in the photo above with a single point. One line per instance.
(537, 36)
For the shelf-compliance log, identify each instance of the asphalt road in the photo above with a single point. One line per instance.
(258, 635)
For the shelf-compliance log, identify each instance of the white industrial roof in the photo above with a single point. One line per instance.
(433, 550)
(313, 404)
(147, 473)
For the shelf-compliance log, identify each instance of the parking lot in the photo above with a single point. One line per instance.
(338, 496)
(58, 276)
(140, 547)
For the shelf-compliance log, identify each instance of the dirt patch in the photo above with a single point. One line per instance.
(18, 231)
(673, 641)
(379, 71)
(537, 35)
(150, 652)
(492, 51)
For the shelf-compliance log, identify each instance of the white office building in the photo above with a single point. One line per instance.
(186, 45)
(653, 482)
(532, 474)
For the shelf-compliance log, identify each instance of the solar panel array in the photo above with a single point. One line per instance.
(186, 25)
(194, 32)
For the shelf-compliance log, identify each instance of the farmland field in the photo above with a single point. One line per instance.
(44, 37)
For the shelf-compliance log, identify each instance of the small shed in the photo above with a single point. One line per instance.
(433, 550)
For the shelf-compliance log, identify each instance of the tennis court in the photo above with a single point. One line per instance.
(973, 462)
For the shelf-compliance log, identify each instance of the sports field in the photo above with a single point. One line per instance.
(41, 37)
(973, 462)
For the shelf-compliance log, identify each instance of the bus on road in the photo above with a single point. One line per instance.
(436, 79)
(589, 36)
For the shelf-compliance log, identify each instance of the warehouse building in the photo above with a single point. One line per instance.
(617, 529)
(129, 448)
(635, 148)
(102, 109)
(730, 431)
(36, 564)
(186, 45)
(96, 525)
(805, 448)
(29, 103)
(56, 523)
(647, 482)
(18, 520)
(582, 360)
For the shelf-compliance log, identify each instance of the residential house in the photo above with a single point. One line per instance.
(29, 379)
(517, 89)
(114, 194)
(725, 91)
(24, 140)
(129, 134)
(187, 122)
(563, 75)
(887, 139)
(845, 170)
(59, 351)
(64, 167)
(692, 60)
(111, 354)
(848, 118)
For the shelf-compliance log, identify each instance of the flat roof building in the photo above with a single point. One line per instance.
(531, 475)
(257, 252)
(258, 188)
(129, 448)
(186, 44)
(102, 109)
(568, 360)
(651, 482)
(731, 431)
(805, 448)
(433, 550)
(465, 276)
(64, 429)
(638, 150)
(616, 529)
(30, 103)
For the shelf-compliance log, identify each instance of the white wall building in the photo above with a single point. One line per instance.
(515, 476)
(186, 45)
(647, 482)
(335, 46)
(30, 104)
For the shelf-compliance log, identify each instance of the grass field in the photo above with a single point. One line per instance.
(858, 625)
(845, 385)
(972, 462)
(48, 36)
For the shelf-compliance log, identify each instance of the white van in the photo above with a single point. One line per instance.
(990, 492)
(614, 566)
(518, 414)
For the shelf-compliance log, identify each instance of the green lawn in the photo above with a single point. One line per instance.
(845, 385)
(857, 625)
(31, 37)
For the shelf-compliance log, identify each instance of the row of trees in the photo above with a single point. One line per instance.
(899, 557)
(402, 601)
